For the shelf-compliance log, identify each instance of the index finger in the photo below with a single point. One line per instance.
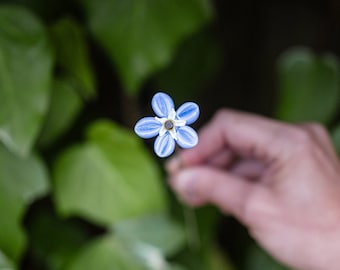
(243, 134)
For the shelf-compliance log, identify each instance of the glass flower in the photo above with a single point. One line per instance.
(170, 126)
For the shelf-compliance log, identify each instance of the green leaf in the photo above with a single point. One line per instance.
(65, 106)
(106, 253)
(192, 69)
(22, 180)
(112, 253)
(12, 237)
(309, 86)
(108, 178)
(157, 230)
(5, 264)
(336, 139)
(216, 260)
(72, 55)
(25, 75)
(142, 36)
(258, 259)
(53, 241)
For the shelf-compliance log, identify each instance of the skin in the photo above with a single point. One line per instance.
(282, 181)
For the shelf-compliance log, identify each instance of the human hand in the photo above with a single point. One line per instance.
(282, 181)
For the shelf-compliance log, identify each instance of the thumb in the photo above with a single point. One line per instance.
(200, 185)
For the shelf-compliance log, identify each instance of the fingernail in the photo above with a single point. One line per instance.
(173, 165)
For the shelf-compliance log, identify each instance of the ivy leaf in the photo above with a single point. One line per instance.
(336, 139)
(54, 241)
(22, 180)
(258, 259)
(5, 263)
(108, 178)
(12, 237)
(64, 107)
(157, 230)
(110, 252)
(309, 86)
(72, 55)
(216, 260)
(25, 76)
(142, 36)
(192, 69)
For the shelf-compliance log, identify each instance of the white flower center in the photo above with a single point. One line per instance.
(169, 124)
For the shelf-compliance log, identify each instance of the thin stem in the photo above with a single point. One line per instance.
(191, 226)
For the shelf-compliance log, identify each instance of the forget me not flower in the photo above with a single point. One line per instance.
(171, 126)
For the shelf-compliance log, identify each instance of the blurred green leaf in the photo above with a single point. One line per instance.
(215, 260)
(208, 257)
(112, 253)
(64, 107)
(25, 76)
(258, 259)
(54, 241)
(22, 180)
(195, 65)
(336, 139)
(176, 267)
(72, 55)
(5, 264)
(309, 86)
(108, 178)
(157, 230)
(12, 237)
(142, 36)
(106, 253)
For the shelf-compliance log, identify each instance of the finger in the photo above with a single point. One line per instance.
(321, 136)
(245, 134)
(249, 168)
(200, 185)
(220, 160)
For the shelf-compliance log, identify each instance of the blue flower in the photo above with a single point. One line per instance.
(169, 126)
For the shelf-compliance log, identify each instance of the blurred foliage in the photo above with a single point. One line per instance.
(25, 77)
(307, 81)
(78, 190)
(141, 36)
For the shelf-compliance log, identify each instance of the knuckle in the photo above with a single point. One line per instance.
(301, 138)
(299, 135)
(318, 129)
(221, 114)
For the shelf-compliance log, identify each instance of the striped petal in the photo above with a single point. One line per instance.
(162, 104)
(164, 146)
(147, 127)
(189, 112)
(186, 137)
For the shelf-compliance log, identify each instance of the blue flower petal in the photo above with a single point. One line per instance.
(186, 137)
(147, 127)
(189, 112)
(164, 145)
(162, 104)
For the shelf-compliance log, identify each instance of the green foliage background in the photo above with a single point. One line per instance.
(78, 190)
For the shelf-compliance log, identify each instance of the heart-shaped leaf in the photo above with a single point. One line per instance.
(72, 55)
(25, 76)
(309, 86)
(108, 178)
(110, 252)
(64, 107)
(21, 181)
(141, 36)
(157, 230)
(5, 264)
